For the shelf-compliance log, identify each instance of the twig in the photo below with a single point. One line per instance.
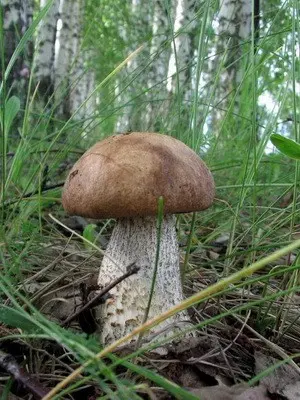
(10, 365)
(34, 192)
(131, 269)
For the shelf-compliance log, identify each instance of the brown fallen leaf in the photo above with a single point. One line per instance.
(292, 391)
(257, 393)
(283, 380)
(236, 392)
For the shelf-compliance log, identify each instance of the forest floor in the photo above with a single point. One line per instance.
(235, 343)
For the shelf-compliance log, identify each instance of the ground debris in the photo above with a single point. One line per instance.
(9, 396)
(10, 365)
(236, 392)
(284, 380)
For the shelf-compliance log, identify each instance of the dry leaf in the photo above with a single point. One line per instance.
(292, 391)
(236, 392)
(284, 380)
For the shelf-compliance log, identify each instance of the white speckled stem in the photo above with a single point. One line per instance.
(135, 240)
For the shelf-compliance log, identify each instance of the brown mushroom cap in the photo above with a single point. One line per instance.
(124, 175)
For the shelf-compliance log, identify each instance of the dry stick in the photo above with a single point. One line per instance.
(34, 192)
(211, 290)
(131, 269)
(10, 365)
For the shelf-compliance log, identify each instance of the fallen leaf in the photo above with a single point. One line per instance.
(283, 380)
(236, 392)
(292, 391)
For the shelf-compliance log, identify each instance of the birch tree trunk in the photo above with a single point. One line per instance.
(83, 82)
(182, 49)
(234, 29)
(160, 51)
(17, 19)
(64, 58)
(82, 76)
(77, 89)
(234, 23)
(160, 46)
(73, 80)
(133, 79)
(45, 54)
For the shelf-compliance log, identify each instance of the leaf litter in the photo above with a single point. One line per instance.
(214, 365)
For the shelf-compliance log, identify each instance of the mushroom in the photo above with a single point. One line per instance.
(122, 177)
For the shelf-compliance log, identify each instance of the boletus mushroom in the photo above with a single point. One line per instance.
(122, 177)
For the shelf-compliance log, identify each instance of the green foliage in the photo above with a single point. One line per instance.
(12, 317)
(12, 107)
(287, 146)
(89, 233)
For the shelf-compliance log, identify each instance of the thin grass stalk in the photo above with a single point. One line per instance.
(2, 127)
(254, 136)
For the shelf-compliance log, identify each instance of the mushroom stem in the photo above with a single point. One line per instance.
(135, 240)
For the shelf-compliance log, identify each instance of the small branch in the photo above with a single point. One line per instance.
(131, 269)
(45, 189)
(34, 192)
(10, 365)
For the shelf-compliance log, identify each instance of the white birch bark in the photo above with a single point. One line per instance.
(12, 12)
(45, 50)
(130, 115)
(91, 99)
(234, 28)
(235, 23)
(17, 19)
(64, 57)
(182, 50)
(77, 91)
(160, 47)
(158, 72)
(82, 76)
(74, 81)
(82, 103)
(27, 14)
